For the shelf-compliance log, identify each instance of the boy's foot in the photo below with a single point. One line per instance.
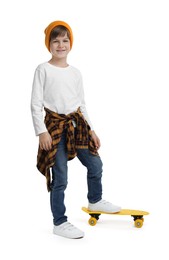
(104, 206)
(68, 230)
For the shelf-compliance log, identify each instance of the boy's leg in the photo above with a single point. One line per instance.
(59, 183)
(94, 174)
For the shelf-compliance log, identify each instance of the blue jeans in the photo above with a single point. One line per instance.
(93, 164)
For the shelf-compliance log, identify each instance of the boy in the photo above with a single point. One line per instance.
(67, 131)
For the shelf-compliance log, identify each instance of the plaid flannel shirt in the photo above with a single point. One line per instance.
(76, 139)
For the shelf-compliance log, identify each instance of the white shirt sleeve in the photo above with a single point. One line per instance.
(83, 104)
(37, 102)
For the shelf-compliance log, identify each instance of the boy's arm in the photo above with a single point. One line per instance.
(83, 104)
(85, 114)
(45, 140)
(37, 103)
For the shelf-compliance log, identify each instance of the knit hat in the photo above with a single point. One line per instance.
(51, 26)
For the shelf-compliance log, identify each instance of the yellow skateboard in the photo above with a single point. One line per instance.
(136, 214)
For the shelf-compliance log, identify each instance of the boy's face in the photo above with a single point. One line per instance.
(60, 46)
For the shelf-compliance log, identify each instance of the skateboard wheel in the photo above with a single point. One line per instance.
(138, 223)
(92, 221)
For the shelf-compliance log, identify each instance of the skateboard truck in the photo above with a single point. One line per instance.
(138, 221)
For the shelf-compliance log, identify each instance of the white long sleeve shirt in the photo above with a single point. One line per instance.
(58, 89)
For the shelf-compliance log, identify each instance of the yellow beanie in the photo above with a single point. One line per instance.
(51, 26)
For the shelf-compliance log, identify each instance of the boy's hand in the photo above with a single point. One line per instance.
(45, 141)
(96, 140)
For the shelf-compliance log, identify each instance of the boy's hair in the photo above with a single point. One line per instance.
(59, 30)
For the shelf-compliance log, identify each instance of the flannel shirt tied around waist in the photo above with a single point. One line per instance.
(76, 139)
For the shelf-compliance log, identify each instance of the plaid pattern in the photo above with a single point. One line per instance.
(79, 139)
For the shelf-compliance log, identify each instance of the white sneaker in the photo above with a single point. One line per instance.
(68, 230)
(105, 206)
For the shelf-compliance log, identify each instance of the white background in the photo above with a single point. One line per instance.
(122, 50)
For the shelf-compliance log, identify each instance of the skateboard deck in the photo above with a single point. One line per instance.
(136, 214)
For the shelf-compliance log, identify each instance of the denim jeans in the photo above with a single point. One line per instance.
(93, 164)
